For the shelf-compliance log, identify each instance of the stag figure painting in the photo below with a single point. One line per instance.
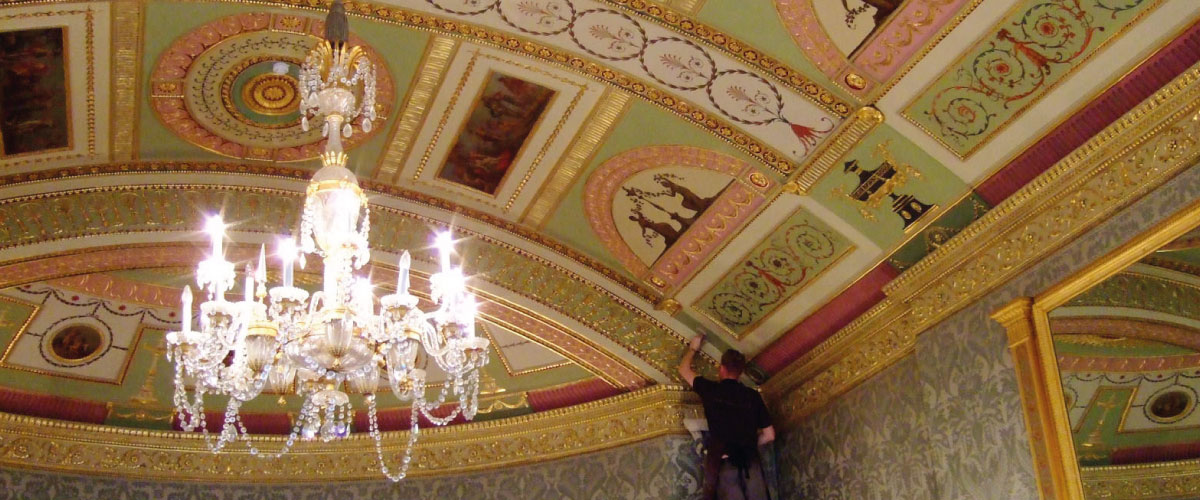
(661, 205)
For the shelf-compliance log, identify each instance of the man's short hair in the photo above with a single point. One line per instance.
(734, 362)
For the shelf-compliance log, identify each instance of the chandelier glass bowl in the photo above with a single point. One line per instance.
(337, 341)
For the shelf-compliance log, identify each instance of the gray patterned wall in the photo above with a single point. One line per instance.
(946, 422)
(661, 468)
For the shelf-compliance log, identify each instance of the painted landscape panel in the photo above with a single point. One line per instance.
(496, 130)
(33, 91)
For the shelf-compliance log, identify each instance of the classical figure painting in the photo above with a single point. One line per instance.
(500, 122)
(33, 95)
(654, 208)
(851, 22)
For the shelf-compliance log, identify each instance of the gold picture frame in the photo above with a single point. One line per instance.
(1028, 324)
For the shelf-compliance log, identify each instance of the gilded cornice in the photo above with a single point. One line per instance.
(1139, 152)
(29, 442)
(1143, 481)
(172, 207)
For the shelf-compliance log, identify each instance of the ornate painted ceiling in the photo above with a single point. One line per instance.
(1129, 357)
(622, 173)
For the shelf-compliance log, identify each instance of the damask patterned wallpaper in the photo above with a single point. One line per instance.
(661, 468)
(945, 422)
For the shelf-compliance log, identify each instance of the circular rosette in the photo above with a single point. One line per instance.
(764, 290)
(746, 97)
(678, 63)
(1055, 30)
(809, 241)
(232, 87)
(464, 7)
(543, 17)
(608, 34)
(960, 113)
(733, 310)
(1005, 75)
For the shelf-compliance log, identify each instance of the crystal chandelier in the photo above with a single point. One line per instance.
(333, 343)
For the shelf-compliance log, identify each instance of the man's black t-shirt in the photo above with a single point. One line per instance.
(735, 412)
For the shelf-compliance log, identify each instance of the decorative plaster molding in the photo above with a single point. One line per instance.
(29, 442)
(1139, 152)
(1143, 481)
(128, 21)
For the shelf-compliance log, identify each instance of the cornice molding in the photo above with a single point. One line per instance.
(1139, 152)
(154, 208)
(1142, 481)
(30, 442)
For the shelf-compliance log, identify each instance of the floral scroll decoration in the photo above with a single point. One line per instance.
(793, 257)
(675, 62)
(1027, 55)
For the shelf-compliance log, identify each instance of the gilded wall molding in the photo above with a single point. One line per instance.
(1139, 152)
(29, 442)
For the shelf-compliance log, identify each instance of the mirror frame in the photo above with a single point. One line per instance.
(1028, 324)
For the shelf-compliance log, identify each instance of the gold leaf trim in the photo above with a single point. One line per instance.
(128, 18)
(430, 73)
(851, 134)
(582, 151)
(1139, 152)
(30, 442)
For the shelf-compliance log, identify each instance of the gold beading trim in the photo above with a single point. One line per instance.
(128, 19)
(851, 133)
(29, 442)
(430, 73)
(1139, 152)
(581, 153)
(1143, 481)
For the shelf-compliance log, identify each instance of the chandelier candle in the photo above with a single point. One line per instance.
(324, 346)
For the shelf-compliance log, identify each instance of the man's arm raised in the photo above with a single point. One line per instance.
(685, 365)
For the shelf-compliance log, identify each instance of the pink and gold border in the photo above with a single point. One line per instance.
(679, 262)
(78, 271)
(884, 55)
(168, 81)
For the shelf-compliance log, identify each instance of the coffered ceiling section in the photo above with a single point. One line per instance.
(622, 173)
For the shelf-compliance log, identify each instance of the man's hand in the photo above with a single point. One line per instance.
(685, 365)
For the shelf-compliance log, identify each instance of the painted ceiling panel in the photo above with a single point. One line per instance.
(54, 84)
(752, 196)
(1033, 48)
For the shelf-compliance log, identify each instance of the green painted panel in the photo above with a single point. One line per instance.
(883, 222)
(1037, 45)
(795, 254)
(945, 227)
(644, 124)
(1072, 345)
(758, 24)
(1143, 292)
